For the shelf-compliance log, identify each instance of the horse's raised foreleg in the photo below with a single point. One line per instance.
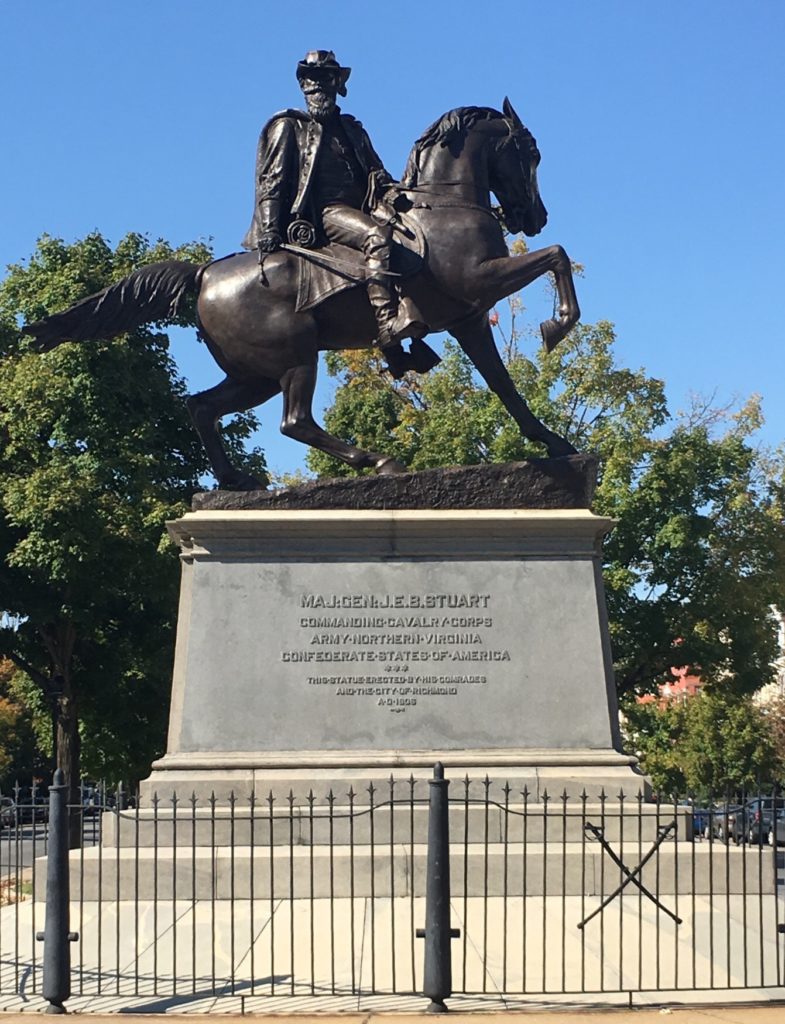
(207, 407)
(298, 386)
(477, 342)
(504, 275)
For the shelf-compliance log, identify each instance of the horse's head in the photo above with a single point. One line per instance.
(513, 175)
(481, 147)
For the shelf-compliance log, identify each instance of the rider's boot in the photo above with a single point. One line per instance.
(393, 322)
(383, 305)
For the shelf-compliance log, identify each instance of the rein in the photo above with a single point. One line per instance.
(451, 201)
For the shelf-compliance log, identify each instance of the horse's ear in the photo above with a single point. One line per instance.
(509, 112)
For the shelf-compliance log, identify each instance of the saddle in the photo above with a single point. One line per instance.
(333, 268)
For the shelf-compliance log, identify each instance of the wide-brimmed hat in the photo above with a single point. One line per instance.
(319, 65)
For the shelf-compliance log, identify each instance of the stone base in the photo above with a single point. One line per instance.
(541, 773)
(303, 872)
(224, 826)
(335, 635)
(321, 650)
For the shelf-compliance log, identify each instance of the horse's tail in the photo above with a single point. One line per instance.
(154, 292)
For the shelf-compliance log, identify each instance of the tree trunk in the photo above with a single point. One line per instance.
(59, 640)
(68, 747)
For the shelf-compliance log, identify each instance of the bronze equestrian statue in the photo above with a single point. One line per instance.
(265, 326)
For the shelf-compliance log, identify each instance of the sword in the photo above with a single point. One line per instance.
(344, 267)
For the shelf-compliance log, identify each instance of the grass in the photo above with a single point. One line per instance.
(14, 891)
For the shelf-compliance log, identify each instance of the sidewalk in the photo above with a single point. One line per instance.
(688, 1015)
(205, 958)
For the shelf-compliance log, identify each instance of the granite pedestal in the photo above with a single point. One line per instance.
(323, 648)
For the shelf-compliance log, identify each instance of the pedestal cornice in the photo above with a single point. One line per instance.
(375, 534)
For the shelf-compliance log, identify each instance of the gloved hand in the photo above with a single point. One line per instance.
(270, 242)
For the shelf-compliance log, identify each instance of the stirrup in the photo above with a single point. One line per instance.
(420, 358)
(398, 361)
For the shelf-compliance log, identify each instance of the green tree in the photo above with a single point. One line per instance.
(653, 733)
(96, 453)
(20, 758)
(774, 713)
(716, 742)
(697, 559)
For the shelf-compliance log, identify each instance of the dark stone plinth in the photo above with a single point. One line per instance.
(566, 483)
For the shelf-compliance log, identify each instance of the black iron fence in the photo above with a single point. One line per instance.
(533, 895)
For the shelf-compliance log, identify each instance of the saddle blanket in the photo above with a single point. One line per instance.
(319, 277)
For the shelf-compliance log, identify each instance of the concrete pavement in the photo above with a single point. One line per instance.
(207, 958)
(715, 1014)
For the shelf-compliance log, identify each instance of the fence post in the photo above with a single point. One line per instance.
(56, 935)
(437, 975)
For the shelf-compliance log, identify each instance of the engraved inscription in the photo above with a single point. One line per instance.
(412, 647)
(395, 600)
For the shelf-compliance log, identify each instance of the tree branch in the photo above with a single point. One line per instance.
(41, 680)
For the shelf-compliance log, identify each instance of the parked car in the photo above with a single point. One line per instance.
(753, 822)
(700, 817)
(7, 812)
(33, 810)
(91, 801)
(777, 830)
(719, 824)
(28, 811)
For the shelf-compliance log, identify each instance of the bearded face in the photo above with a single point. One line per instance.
(320, 98)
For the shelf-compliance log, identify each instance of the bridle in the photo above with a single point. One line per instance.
(445, 200)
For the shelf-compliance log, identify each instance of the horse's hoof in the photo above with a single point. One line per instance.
(240, 482)
(422, 356)
(398, 362)
(386, 466)
(552, 333)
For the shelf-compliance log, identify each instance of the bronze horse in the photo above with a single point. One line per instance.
(265, 346)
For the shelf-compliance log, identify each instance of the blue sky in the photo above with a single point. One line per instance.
(660, 126)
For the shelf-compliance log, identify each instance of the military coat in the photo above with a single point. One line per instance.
(287, 161)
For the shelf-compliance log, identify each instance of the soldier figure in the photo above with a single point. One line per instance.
(318, 168)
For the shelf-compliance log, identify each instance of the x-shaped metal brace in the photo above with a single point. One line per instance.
(630, 876)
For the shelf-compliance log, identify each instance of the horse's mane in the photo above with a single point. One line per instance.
(447, 129)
